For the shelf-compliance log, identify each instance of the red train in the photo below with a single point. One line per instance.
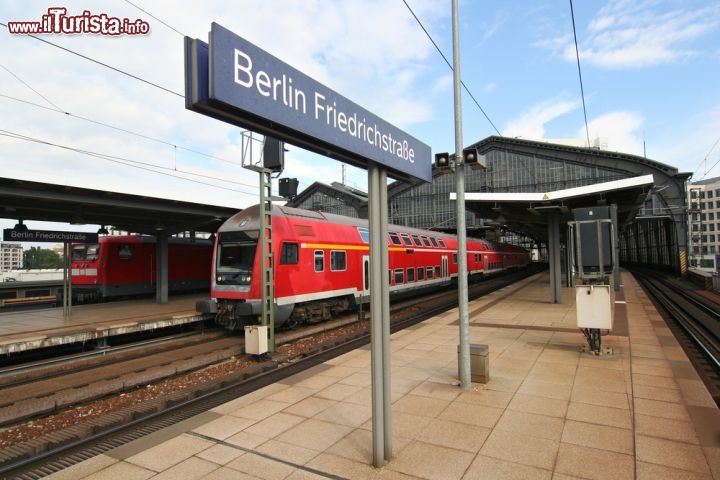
(121, 266)
(322, 263)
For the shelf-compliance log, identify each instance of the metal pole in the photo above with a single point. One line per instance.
(265, 242)
(460, 208)
(67, 279)
(385, 299)
(378, 244)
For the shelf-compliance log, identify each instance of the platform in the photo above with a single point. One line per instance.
(548, 411)
(48, 327)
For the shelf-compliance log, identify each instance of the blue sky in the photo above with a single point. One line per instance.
(650, 68)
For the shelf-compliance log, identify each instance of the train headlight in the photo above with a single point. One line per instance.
(219, 279)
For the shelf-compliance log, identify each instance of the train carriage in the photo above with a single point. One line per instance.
(125, 265)
(321, 265)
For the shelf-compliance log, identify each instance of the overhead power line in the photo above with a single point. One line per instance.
(451, 67)
(132, 163)
(156, 18)
(101, 63)
(31, 88)
(582, 90)
(120, 129)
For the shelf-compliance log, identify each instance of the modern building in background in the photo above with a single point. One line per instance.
(704, 224)
(11, 256)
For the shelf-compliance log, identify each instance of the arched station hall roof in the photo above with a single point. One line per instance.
(627, 181)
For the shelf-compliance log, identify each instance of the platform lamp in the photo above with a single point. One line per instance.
(20, 226)
(472, 157)
(442, 160)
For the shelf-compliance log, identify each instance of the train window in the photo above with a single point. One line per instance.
(420, 274)
(395, 239)
(125, 251)
(416, 240)
(289, 254)
(399, 276)
(235, 257)
(429, 271)
(319, 261)
(455, 258)
(406, 239)
(80, 252)
(338, 260)
(434, 242)
(364, 234)
(410, 275)
(426, 241)
(441, 242)
(437, 271)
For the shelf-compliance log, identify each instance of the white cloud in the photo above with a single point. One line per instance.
(620, 129)
(531, 124)
(639, 33)
(372, 52)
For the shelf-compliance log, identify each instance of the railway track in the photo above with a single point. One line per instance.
(693, 319)
(41, 456)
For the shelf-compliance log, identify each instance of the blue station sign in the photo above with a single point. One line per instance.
(50, 236)
(235, 81)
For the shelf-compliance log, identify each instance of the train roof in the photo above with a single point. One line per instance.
(253, 212)
(150, 239)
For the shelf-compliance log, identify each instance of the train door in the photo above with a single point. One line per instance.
(366, 276)
(444, 266)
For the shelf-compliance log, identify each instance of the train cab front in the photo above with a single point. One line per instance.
(235, 285)
(85, 278)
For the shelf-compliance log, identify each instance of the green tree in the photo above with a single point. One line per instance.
(38, 257)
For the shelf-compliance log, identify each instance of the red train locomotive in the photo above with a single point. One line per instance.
(120, 266)
(321, 265)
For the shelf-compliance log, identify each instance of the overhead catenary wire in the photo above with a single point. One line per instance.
(156, 18)
(133, 163)
(582, 89)
(451, 67)
(708, 170)
(55, 107)
(101, 63)
(120, 129)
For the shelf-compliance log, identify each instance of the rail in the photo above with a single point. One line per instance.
(697, 320)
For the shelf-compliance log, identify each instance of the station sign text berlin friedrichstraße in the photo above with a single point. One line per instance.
(236, 82)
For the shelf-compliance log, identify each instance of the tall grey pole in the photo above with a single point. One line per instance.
(378, 243)
(460, 207)
(385, 299)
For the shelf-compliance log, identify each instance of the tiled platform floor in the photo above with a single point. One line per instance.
(548, 411)
(29, 329)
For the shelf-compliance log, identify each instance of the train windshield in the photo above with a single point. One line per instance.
(85, 252)
(235, 257)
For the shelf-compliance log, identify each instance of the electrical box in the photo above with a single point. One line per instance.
(594, 242)
(256, 339)
(479, 363)
(594, 306)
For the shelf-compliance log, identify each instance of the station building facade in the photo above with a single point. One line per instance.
(704, 224)
(11, 256)
(653, 228)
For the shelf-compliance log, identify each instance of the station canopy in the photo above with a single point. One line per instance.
(26, 200)
(527, 212)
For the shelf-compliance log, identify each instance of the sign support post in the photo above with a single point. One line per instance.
(380, 317)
